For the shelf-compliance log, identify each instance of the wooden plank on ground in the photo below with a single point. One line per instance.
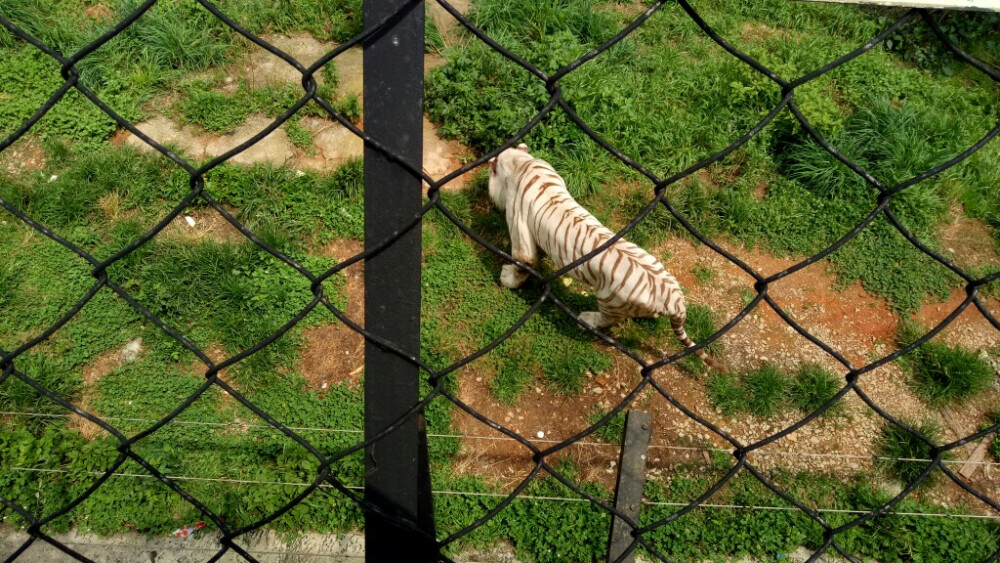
(631, 480)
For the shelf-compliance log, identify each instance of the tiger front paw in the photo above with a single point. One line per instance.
(512, 277)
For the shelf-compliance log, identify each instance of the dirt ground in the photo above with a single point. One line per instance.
(334, 353)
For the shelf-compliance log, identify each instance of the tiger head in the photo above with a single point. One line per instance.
(501, 169)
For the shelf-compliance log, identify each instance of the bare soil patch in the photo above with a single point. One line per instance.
(333, 145)
(26, 155)
(261, 68)
(969, 243)
(488, 453)
(99, 12)
(273, 149)
(335, 353)
(202, 225)
(92, 373)
(448, 27)
(631, 8)
(441, 157)
(759, 32)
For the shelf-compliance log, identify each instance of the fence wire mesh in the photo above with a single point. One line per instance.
(542, 452)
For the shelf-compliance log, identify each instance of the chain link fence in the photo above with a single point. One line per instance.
(882, 197)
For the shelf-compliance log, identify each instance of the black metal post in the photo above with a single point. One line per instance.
(397, 479)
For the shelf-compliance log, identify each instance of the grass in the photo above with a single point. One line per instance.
(613, 430)
(223, 295)
(657, 336)
(768, 391)
(768, 534)
(944, 374)
(900, 445)
(221, 279)
(703, 274)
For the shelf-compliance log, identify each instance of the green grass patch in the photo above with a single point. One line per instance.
(812, 387)
(611, 431)
(723, 534)
(224, 295)
(769, 391)
(766, 388)
(896, 447)
(700, 325)
(148, 58)
(943, 374)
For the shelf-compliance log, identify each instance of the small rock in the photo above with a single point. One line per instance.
(540, 434)
(131, 351)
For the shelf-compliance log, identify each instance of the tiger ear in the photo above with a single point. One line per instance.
(493, 165)
(522, 147)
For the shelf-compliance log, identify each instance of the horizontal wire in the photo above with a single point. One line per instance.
(501, 495)
(535, 440)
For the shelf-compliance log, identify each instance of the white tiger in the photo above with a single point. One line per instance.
(541, 214)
